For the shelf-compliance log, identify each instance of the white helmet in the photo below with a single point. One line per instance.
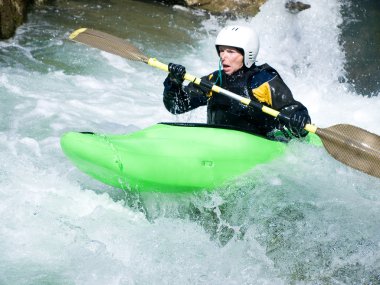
(242, 37)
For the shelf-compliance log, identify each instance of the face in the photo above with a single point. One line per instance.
(232, 59)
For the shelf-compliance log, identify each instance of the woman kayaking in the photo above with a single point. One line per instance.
(237, 47)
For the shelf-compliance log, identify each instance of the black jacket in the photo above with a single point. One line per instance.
(260, 83)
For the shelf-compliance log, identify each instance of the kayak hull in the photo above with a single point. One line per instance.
(169, 157)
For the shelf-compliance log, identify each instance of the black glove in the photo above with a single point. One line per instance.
(176, 73)
(297, 123)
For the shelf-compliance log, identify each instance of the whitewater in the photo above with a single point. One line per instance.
(302, 219)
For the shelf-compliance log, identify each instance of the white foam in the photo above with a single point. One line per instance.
(297, 214)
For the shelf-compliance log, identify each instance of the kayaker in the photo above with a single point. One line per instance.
(237, 47)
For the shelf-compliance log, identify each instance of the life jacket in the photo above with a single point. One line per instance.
(226, 111)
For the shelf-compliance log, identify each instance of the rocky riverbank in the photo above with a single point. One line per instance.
(232, 7)
(13, 12)
(236, 7)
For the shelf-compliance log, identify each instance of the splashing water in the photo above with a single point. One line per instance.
(303, 219)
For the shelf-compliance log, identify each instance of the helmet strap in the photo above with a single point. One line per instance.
(220, 77)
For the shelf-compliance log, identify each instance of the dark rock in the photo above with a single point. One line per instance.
(296, 7)
(13, 14)
(222, 7)
(237, 8)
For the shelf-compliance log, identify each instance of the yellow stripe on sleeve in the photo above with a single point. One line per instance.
(209, 94)
(263, 93)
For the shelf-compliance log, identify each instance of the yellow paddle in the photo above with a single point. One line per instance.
(348, 144)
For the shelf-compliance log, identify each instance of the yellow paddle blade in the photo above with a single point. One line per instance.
(353, 146)
(108, 43)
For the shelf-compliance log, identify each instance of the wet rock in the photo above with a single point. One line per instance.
(223, 7)
(12, 15)
(197, 3)
(234, 7)
(360, 38)
(296, 7)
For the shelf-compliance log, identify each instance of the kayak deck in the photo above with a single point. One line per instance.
(169, 157)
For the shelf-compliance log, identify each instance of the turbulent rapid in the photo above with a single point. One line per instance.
(302, 219)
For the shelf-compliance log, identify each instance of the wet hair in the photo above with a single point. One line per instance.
(240, 50)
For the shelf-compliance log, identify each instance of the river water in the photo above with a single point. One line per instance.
(303, 219)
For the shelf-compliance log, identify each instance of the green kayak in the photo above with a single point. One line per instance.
(169, 157)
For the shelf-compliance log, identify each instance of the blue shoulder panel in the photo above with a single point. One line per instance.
(261, 77)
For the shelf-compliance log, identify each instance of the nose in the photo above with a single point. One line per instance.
(222, 55)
